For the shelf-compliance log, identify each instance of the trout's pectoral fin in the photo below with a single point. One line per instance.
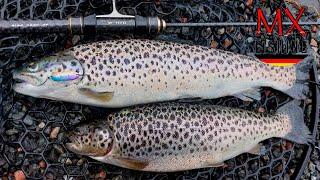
(256, 150)
(249, 95)
(131, 163)
(101, 96)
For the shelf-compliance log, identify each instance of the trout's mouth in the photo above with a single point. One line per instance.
(28, 84)
(18, 80)
(78, 144)
(79, 148)
(24, 78)
(73, 145)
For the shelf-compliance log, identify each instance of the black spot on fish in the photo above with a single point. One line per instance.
(186, 135)
(126, 61)
(197, 136)
(85, 49)
(146, 55)
(196, 59)
(175, 135)
(138, 66)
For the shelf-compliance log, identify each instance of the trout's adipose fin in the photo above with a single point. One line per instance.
(101, 96)
(299, 132)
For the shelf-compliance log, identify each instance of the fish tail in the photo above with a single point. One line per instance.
(300, 88)
(299, 132)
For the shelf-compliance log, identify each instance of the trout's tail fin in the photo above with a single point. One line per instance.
(299, 132)
(301, 88)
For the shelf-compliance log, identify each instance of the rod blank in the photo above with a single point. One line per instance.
(208, 24)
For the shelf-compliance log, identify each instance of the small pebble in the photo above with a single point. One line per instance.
(250, 40)
(54, 132)
(41, 125)
(17, 115)
(80, 162)
(68, 161)
(214, 44)
(314, 43)
(19, 149)
(19, 175)
(58, 148)
(75, 39)
(42, 164)
(102, 174)
(226, 43)
(206, 32)
(221, 31)
(308, 101)
(28, 120)
(249, 2)
(11, 132)
(314, 28)
(312, 167)
(261, 109)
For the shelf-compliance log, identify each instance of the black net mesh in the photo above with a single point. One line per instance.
(33, 131)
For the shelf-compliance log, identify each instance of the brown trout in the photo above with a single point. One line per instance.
(173, 137)
(121, 73)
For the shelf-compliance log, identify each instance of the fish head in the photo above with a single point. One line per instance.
(47, 74)
(91, 140)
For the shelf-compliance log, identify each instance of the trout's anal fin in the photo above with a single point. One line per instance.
(209, 164)
(249, 95)
(255, 150)
(130, 163)
(101, 96)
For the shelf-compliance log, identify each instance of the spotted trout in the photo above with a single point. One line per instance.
(180, 136)
(121, 73)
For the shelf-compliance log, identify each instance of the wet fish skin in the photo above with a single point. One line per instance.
(120, 73)
(173, 137)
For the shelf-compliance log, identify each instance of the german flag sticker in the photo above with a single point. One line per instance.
(282, 60)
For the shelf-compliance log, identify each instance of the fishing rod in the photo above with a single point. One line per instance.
(113, 22)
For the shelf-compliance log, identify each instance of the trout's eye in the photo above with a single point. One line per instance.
(33, 67)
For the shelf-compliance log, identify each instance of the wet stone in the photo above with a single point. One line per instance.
(28, 120)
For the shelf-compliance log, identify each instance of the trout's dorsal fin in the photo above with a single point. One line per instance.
(101, 96)
(130, 162)
(255, 150)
